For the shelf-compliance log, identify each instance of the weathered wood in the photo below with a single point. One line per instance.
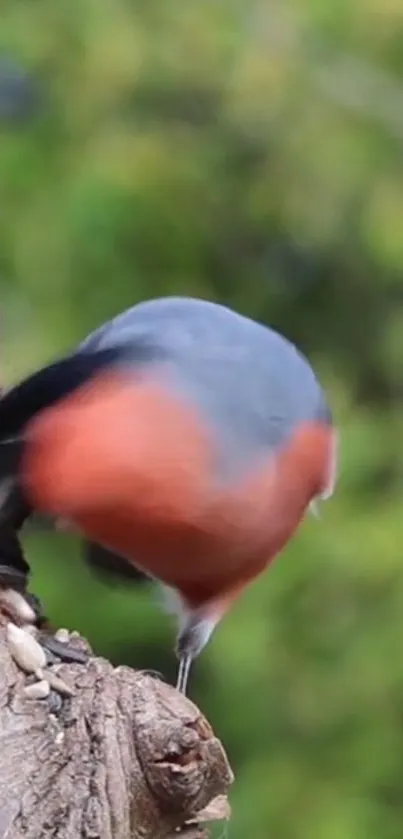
(126, 758)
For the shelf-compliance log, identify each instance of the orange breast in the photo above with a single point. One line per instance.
(132, 466)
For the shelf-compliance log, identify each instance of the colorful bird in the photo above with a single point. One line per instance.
(185, 438)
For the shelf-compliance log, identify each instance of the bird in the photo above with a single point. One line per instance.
(185, 438)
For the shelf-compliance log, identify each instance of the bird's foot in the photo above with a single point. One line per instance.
(32, 646)
(25, 611)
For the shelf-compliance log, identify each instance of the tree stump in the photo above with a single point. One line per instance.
(127, 757)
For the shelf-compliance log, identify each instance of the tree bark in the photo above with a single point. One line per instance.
(127, 757)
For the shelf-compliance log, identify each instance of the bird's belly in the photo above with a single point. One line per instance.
(232, 538)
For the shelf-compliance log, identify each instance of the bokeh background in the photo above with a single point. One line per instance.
(250, 152)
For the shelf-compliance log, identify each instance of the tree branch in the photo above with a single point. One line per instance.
(127, 757)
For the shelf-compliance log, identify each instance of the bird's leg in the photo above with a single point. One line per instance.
(194, 632)
(14, 574)
(17, 604)
(14, 569)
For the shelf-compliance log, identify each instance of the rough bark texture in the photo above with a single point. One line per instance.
(126, 758)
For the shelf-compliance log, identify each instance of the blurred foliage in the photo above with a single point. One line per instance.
(249, 152)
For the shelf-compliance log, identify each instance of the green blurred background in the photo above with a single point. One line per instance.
(252, 153)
